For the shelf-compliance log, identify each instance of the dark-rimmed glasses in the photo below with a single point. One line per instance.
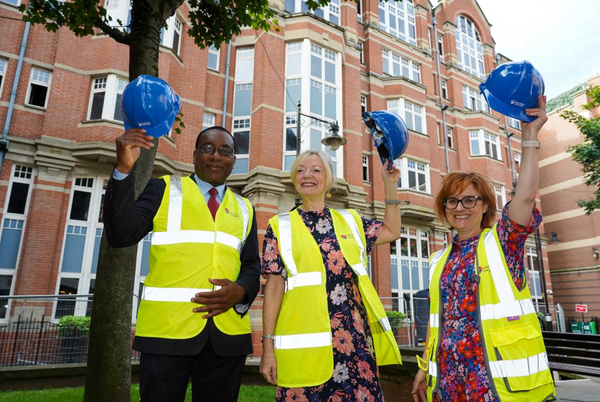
(467, 202)
(209, 149)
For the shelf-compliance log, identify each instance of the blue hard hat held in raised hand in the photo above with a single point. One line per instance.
(513, 87)
(151, 104)
(389, 133)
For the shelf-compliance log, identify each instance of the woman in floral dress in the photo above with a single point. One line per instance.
(466, 201)
(355, 375)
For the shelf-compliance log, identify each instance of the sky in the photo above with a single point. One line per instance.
(560, 38)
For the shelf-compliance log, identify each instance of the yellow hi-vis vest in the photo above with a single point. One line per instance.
(303, 340)
(515, 356)
(187, 248)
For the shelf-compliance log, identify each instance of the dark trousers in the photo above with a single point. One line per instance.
(165, 378)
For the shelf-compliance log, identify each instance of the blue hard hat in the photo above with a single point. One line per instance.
(513, 87)
(149, 103)
(389, 133)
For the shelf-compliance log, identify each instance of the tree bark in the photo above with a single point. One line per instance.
(108, 376)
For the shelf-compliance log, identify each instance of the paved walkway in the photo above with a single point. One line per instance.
(587, 390)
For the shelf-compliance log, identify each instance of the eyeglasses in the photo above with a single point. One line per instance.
(467, 202)
(209, 149)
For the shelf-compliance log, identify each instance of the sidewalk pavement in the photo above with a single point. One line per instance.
(585, 390)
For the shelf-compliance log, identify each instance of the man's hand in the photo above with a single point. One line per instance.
(219, 301)
(128, 148)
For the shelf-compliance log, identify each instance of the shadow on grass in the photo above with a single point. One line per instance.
(248, 393)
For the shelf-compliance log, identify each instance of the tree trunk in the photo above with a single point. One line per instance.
(108, 376)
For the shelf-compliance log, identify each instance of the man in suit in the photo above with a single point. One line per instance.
(204, 269)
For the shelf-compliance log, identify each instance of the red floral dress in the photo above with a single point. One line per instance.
(462, 374)
(355, 375)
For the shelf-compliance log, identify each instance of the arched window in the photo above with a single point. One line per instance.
(468, 47)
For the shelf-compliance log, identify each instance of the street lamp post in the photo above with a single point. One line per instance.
(333, 141)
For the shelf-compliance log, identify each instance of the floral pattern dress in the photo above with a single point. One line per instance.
(355, 375)
(462, 375)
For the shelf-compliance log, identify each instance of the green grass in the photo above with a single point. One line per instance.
(248, 393)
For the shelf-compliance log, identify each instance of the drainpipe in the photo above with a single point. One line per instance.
(227, 64)
(439, 83)
(13, 96)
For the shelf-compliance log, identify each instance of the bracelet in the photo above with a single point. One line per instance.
(392, 202)
(268, 336)
(530, 144)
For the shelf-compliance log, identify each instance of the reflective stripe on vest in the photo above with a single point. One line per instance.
(303, 279)
(302, 341)
(359, 269)
(170, 294)
(174, 234)
(510, 368)
(385, 323)
(515, 308)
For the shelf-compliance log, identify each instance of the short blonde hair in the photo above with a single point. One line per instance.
(327, 163)
(457, 182)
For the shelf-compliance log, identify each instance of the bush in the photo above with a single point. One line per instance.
(70, 325)
(395, 318)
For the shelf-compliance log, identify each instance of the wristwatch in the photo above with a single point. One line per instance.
(268, 336)
(530, 144)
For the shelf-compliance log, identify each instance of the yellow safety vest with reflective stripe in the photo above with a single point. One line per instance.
(189, 247)
(513, 348)
(303, 339)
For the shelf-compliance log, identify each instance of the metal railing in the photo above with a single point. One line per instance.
(35, 334)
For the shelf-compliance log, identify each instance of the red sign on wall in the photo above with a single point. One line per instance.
(581, 308)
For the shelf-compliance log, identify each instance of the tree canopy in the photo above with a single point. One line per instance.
(588, 152)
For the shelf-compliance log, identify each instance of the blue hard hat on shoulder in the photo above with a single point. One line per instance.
(149, 103)
(513, 87)
(389, 133)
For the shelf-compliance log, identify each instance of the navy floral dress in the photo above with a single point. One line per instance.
(462, 375)
(355, 375)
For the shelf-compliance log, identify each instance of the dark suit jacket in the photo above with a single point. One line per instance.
(127, 221)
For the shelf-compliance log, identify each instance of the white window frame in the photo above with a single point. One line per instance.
(500, 194)
(405, 10)
(469, 48)
(418, 263)
(328, 12)
(16, 3)
(19, 174)
(449, 138)
(120, 11)
(444, 89)
(486, 142)
(397, 66)
(402, 106)
(208, 120)
(307, 51)
(363, 104)
(241, 122)
(91, 225)
(514, 123)
(517, 156)
(532, 273)
(174, 25)
(365, 168)
(242, 125)
(35, 81)
(216, 52)
(416, 167)
(440, 47)
(3, 70)
(114, 86)
(359, 11)
(473, 100)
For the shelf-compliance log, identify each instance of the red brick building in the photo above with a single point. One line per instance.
(338, 61)
(574, 255)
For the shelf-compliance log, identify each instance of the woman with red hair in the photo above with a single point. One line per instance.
(484, 341)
